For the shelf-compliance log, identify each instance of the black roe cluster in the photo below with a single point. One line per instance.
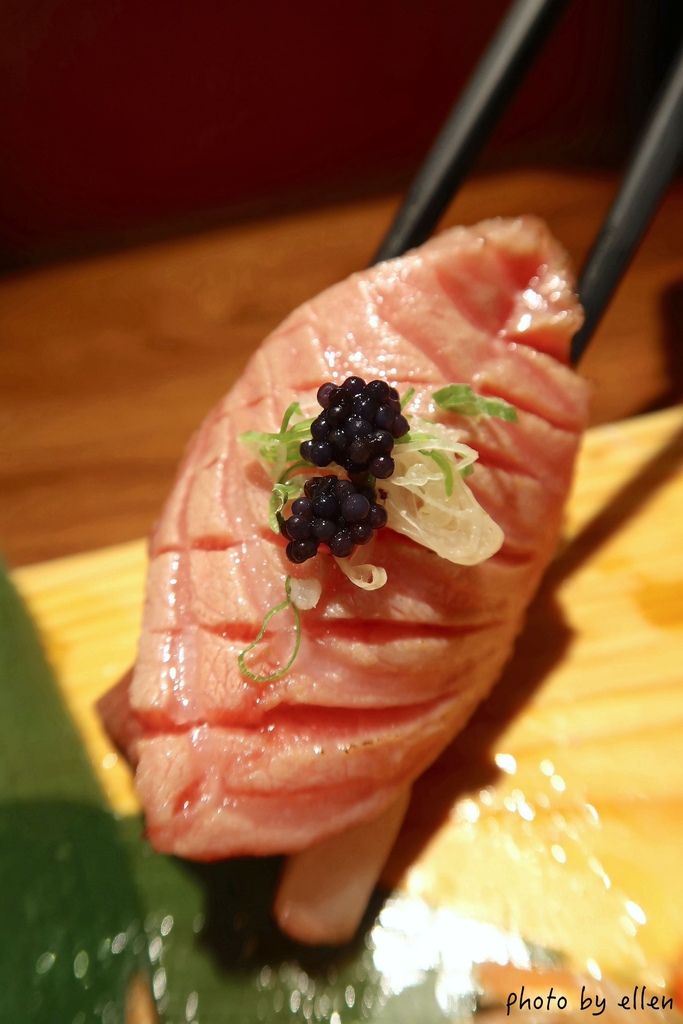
(334, 512)
(357, 428)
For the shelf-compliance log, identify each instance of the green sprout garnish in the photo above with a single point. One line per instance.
(285, 444)
(406, 398)
(444, 465)
(460, 398)
(286, 490)
(271, 677)
(279, 449)
(279, 496)
(434, 448)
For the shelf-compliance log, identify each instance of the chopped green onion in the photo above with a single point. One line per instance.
(285, 444)
(294, 468)
(291, 409)
(406, 398)
(281, 494)
(269, 615)
(419, 437)
(460, 398)
(445, 466)
(279, 497)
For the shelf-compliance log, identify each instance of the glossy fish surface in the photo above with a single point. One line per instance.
(383, 680)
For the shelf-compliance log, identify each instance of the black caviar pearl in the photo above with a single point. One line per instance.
(381, 442)
(298, 528)
(342, 544)
(400, 427)
(384, 417)
(305, 450)
(359, 451)
(320, 453)
(326, 505)
(353, 385)
(382, 467)
(302, 507)
(343, 488)
(365, 407)
(323, 395)
(319, 428)
(377, 517)
(356, 426)
(313, 486)
(339, 396)
(377, 389)
(361, 533)
(301, 550)
(309, 547)
(336, 415)
(338, 440)
(355, 507)
(323, 530)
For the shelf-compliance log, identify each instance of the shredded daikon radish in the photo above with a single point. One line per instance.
(454, 525)
(363, 574)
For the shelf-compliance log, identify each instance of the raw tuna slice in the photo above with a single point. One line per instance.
(383, 680)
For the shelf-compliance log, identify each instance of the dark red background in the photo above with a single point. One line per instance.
(119, 115)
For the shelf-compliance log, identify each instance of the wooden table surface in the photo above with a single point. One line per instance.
(107, 365)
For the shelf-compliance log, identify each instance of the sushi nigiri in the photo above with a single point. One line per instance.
(263, 753)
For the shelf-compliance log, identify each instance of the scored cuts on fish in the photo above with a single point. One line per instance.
(383, 679)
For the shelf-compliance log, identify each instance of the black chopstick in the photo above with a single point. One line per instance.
(507, 58)
(653, 163)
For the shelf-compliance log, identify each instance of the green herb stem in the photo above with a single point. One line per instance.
(241, 661)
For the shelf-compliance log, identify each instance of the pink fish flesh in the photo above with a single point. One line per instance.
(383, 680)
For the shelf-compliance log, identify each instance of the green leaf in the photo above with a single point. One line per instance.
(461, 399)
(71, 929)
(41, 754)
(66, 887)
(225, 954)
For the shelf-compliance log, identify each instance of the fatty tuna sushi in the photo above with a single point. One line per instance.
(383, 679)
